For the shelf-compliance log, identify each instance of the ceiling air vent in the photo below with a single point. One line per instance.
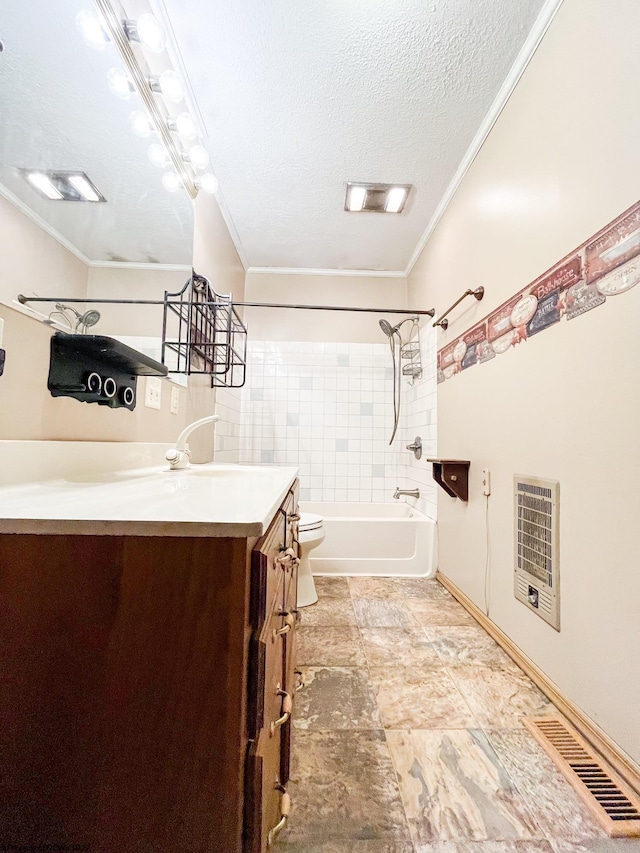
(64, 186)
(376, 198)
(537, 553)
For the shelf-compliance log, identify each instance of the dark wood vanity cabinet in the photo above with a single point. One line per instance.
(274, 621)
(145, 687)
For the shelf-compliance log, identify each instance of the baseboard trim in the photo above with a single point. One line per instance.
(622, 763)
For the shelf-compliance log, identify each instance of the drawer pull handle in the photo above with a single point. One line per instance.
(289, 624)
(294, 517)
(285, 808)
(286, 558)
(287, 707)
(300, 678)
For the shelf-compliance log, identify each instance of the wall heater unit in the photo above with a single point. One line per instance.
(537, 546)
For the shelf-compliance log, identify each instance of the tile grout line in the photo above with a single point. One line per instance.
(384, 729)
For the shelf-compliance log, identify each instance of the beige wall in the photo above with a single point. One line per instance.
(561, 162)
(127, 283)
(28, 411)
(33, 263)
(214, 253)
(214, 256)
(353, 291)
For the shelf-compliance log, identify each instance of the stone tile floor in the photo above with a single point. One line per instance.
(407, 736)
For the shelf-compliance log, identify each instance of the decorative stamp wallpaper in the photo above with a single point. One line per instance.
(606, 264)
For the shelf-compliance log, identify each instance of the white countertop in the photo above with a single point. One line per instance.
(81, 499)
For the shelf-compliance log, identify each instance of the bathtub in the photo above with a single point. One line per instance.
(380, 539)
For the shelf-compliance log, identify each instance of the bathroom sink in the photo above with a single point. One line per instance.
(127, 488)
(235, 471)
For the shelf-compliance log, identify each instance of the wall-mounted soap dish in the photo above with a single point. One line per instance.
(97, 369)
(453, 476)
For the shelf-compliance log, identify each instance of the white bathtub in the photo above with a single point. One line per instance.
(373, 539)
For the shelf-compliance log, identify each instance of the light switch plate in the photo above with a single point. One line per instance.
(153, 392)
(175, 400)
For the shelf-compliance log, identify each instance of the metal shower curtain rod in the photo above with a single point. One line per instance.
(430, 313)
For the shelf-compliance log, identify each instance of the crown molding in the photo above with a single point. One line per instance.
(133, 265)
(524, 57)
(48, 229)
(312, 271)
(43, 224)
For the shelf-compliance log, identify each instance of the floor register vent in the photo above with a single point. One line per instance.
(537, 547)
(614, 805)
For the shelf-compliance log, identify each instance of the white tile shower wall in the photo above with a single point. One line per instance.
(226, 445)
(419, 418)
(327, 408)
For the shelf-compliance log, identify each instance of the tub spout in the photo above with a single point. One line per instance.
(410, 493)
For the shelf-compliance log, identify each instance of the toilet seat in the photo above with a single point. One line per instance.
(309, 521)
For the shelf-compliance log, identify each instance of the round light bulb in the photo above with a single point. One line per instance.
(92, 28)
(157, 155)
(198, 157)
(151, 33)
(208, 183)
(120, 83)
(171, 182)
(186, 126)
(171, 86)
(141, 124)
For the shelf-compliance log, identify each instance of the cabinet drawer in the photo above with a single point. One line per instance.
(266, 571)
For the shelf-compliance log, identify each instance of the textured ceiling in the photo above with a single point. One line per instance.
(299, 97)
(56, 112)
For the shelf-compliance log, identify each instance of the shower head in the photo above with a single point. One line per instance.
(387, 328)
(390, 330)
(89, 318)
(82, 321)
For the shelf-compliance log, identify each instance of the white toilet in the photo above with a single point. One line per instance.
(310, 535)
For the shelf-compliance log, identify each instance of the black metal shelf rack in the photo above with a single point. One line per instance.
(203, 333)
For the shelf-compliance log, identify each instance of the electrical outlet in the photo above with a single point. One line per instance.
(153, 392)
(486, 481)
(175, 400)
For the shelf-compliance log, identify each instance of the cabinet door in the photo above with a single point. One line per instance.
(267, 802)
(273, 620)
(291, 676)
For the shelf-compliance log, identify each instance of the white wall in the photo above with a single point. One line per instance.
(561, 162)
(330, 326)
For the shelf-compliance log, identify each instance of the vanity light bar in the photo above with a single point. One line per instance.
(64, 186)
(139, 79)
(376, 198)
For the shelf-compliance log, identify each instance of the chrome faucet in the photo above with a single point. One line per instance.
(178, 457)
(410, 493)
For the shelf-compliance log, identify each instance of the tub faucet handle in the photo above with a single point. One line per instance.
(416, 447)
